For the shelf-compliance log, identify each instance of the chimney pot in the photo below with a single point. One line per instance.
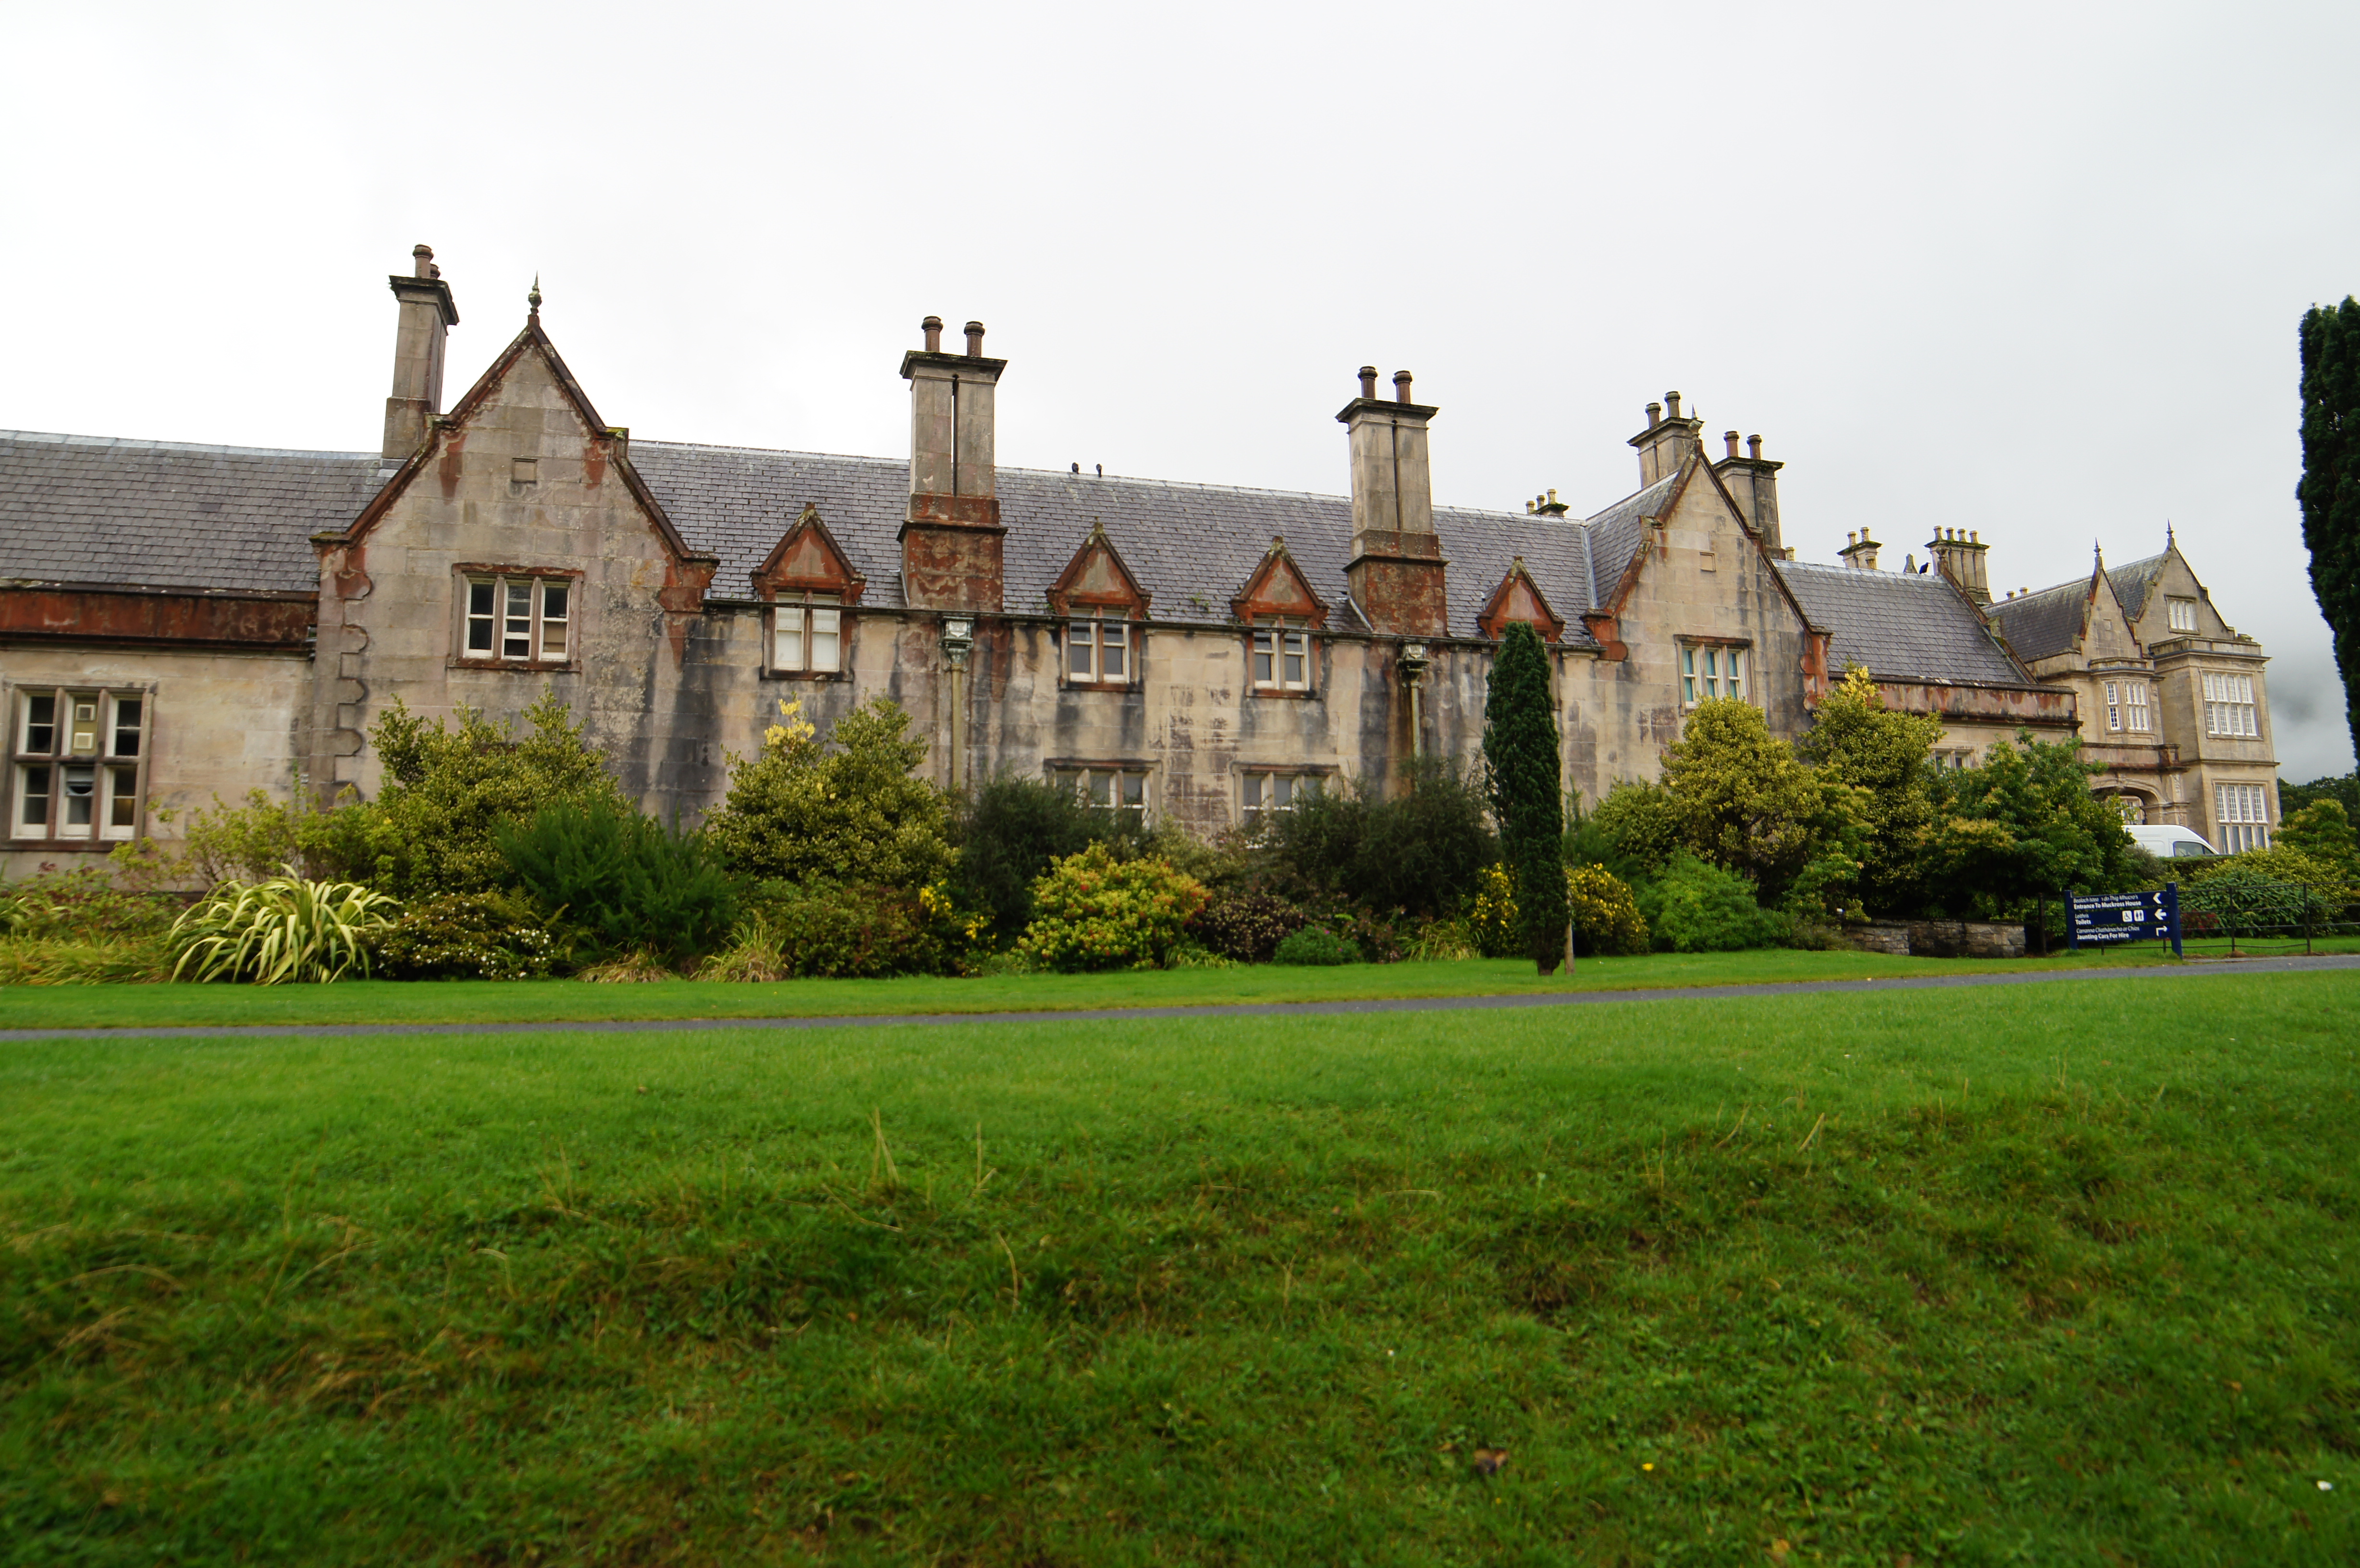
(975, 340)
(1369, 382)
(1552, 495)
(1973, 538)
(1654, 415)
(1672, 402)
(932, 327)
(421, 257)
(1729, 437)
(1850, 538)
(1401, 387)
(1753, 448)
(1528, 508)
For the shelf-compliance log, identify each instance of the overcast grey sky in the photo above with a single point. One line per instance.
(2031, 269)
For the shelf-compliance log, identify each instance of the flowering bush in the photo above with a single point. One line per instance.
(845, 934)
(1249, 926)
(1492, 918)
(468, 936)
(843, 810)
(1093, 912)
(1606, 918)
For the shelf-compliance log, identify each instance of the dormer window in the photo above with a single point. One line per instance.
(807, 634)
(517, 619)
(1097, 653)
(1282, 660)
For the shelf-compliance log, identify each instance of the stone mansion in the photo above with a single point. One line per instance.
(178, 621)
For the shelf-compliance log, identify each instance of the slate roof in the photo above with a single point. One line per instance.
(1900, 626)
(2134, 582)
(1184, 542)
(93, 509)
(2043, 624)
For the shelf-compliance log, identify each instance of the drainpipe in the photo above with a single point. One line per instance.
(958, 640)
(1413, 662)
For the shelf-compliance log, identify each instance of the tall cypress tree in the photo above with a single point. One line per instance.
(2330, 491)
(1520, 743)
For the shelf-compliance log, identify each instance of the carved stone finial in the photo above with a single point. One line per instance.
(533, 299)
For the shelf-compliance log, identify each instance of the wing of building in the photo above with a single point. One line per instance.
(182, 621)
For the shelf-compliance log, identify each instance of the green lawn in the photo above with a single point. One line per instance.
(2018, 1274)
(554, 1001)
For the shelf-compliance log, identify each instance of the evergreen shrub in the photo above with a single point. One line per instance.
(621, 879)
(1008, 830)
(1417, 852)
(1606, 918)
(844, 811)
(1317, 945)
(1694, 905)
(860, 932)
(1095, 912)
(288, 928)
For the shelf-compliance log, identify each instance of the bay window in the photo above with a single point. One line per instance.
(2229, 708)
(2242, 812)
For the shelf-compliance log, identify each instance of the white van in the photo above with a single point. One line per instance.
(2169, 843)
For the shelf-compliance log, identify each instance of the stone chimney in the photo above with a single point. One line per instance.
(1860, 550)
(1396, 569)
(1753, 479)
(1958, 556)
(1668, 440)
(951, 538)
(426, 316)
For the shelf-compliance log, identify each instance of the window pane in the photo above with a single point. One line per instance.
(479, 618)
(126, 726)
(82, 734)
(1080, 650)
(1251, 786)
(516, 637)
(82, 798)
(1298, 649)
(41, 725)
(33, 798)
(554, 599)
(1265, 658)
(122, 801)
(1114, 646)
(1134, 790)
(1712, 672)
(1737, 673)
(1101, 789)
(1281, 790)
(787, 651)
(827, 639)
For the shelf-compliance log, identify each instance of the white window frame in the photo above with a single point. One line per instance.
(1100, 650)
(2180, 614)
(1710, 669)
(101, 734)
(2241, 815)
(2138, 710)
(807, 635)
(1278, 657)
(2230, 709)
(2114, 705)
(1264, 794)
(1110, 786)
(519, 618)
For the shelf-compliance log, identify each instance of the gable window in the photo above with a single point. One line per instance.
(1097, 652)
(1282, 660)
(2229, 706)
(1114, 787)
(807, 634)
(1711, 671)
(77, 764)
(2182, 614)
(520, 620)
(2243, 815)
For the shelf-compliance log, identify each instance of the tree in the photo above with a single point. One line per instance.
(2330, 489)
(1856, 739)
(2024, 826)
(842, 812)
(1746, 803)
(2322, 831)
(1522, 751)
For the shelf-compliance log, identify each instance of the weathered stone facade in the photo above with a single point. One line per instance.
(1190, 651)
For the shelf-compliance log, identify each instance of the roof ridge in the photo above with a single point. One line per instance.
(144, 443)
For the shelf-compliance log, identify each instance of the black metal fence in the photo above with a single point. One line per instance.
(2261, 916)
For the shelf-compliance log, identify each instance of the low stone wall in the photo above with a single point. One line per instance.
(1939, 939)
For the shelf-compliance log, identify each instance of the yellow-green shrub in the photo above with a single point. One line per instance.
(1092, 911)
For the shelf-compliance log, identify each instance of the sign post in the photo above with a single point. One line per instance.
(2101, 919)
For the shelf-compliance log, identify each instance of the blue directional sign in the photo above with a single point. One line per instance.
(2125, 917)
